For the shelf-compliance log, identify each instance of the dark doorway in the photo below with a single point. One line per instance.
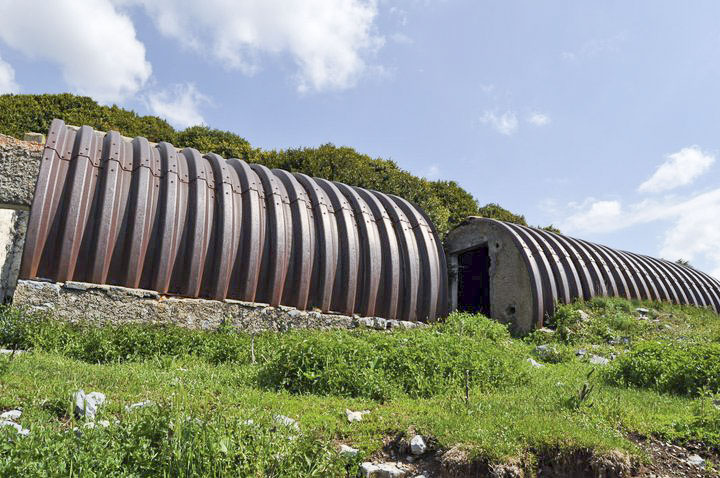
(474, 281)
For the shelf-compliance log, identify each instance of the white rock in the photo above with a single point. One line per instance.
(287, 422)
(642, 311)
(86, 405)
(348, 450)
(11, 415)
(420, 476)
(10, 352)
(18, 428)
(379, 323)
(142, 404)
(583, 315)
(381, 470)
(418, 445)
(695, 460)
(10, 423)
(104, 423)
(598, 360)
(534, 363)
(355, 416)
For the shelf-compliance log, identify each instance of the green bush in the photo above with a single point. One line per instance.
(128, 342)
(162, 441)
(672, 367)
(446, 203)
(419, 363)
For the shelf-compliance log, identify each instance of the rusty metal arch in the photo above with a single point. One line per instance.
(556, 263)
(121, 211)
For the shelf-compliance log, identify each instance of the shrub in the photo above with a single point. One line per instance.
(127, 342)
(420, 363)
(163, 441)
(672, 367)
(445, 202)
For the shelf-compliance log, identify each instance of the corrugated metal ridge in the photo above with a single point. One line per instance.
(562, 269)
(115, 210)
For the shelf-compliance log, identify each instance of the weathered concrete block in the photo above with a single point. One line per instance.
(19, 166)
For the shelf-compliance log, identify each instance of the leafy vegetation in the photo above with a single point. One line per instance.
(420, 364)
(214, 407)
(445, 202)
(671, 367)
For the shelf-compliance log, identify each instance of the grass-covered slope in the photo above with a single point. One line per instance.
(465, 385)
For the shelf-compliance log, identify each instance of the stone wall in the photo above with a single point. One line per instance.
(105, 304)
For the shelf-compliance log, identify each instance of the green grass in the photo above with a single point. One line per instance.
(205, 387)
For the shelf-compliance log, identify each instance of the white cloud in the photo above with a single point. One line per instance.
(595, 47)
(7, 78)
(180, 105)
(401, 38)
(679, 169)
(693, 232)
(506, 124)
(327, 39)
(594, 216)
(538, 119)
(94, 44)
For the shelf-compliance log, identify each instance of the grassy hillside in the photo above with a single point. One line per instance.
(465, 385)
(445, 202)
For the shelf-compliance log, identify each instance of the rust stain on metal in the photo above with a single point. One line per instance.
(110, 210)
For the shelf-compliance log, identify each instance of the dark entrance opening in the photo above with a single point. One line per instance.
(474, 281)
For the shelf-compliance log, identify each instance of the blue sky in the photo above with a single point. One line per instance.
(599, 117)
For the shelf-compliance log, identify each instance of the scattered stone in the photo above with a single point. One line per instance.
(545, 351)
(381, 470)
(11, 352)
(393, 324)
(620, 341)
(142, 404)
(365, 321)
(534, 363)
(642, 311)
(584, 316)
(581, 352)
(104, 423)
(407, 324)
(545, 330)
(18, 428)
(379, 323)
(695, 460)
(86, 405)
(287, 422)
(668, 326)
(355, 416)
(420, 476)
(11, 415)
(418, 445)
(348, 450)
(598, 360)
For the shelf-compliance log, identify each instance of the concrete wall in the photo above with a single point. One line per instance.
(19, 166)
(512, 299)
(13, 225)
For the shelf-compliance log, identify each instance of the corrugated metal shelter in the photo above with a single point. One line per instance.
(517, 274)
(114, 210)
